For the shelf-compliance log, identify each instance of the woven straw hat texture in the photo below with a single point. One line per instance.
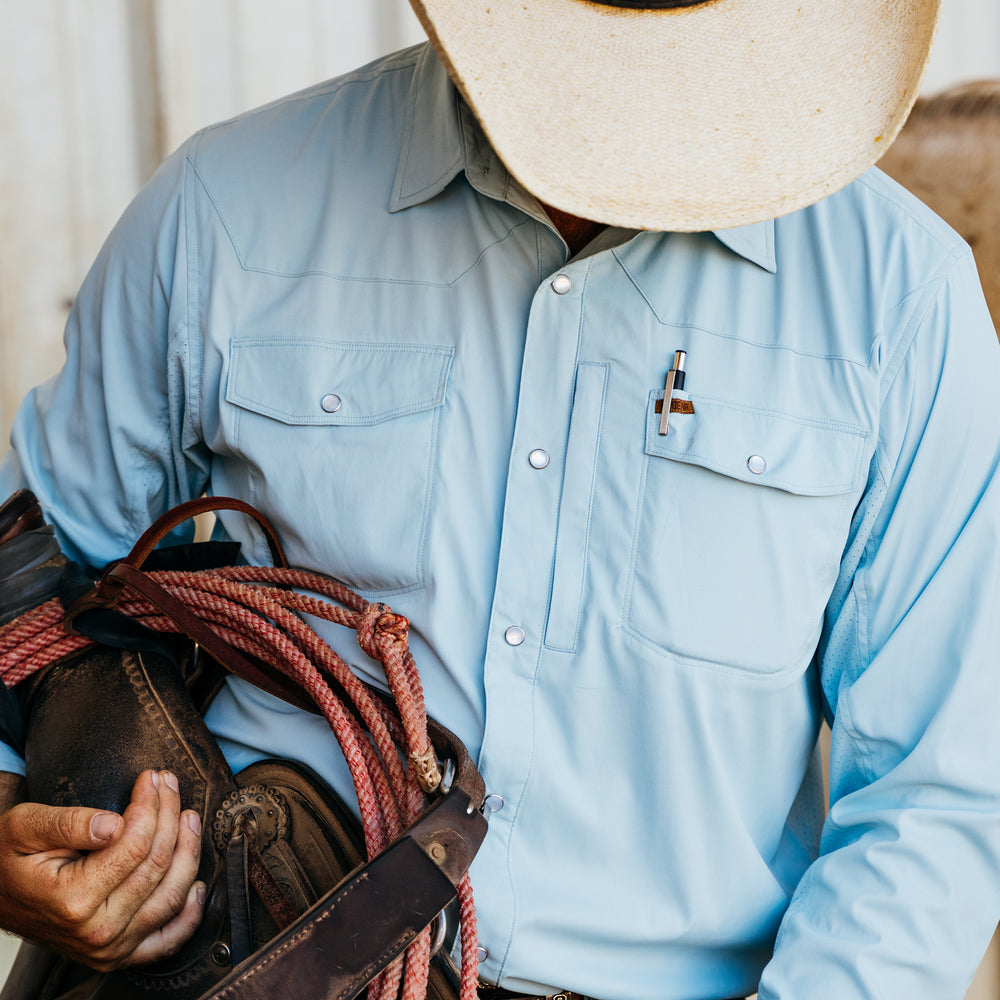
(700, 117)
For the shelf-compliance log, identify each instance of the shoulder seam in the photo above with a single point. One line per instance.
(366, 74)
(949, 245)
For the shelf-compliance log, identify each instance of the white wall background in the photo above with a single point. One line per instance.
(93, 94)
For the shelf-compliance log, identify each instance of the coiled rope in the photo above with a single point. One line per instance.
(252, 609)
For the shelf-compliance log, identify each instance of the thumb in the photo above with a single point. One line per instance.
(33, 828)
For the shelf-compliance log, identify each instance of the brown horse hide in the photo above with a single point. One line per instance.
(948, 155)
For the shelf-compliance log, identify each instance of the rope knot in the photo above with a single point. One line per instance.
(380, 630)
(426, 770)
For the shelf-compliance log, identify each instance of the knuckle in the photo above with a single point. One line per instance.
(73, 911)
(171, 947)
(174, 899)
(99, 938)
(65, 822)
(137, 848)
(160, 856)
(103, 963)
(94, 940)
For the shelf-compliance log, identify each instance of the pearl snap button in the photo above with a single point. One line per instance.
(539, 458)
(756, 464)
(514, 635)
(331, 402)
(493, 803)
(561, 284)
(482, 953)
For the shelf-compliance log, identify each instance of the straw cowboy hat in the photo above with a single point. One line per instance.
(685, 114)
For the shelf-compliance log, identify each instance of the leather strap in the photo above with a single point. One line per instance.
(358, 928)
(176, 516)
(121, 575)
(353, 932)
(487, 991)
(128, 572)
(19, 513)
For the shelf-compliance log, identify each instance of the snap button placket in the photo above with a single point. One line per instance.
(514, 635)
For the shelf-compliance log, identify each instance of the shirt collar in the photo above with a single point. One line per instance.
(433, 148)
(441, 138)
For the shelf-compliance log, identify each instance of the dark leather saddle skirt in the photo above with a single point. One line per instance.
(274, 837)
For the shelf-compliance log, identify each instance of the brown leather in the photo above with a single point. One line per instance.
(416, 874)
(489, 992)
(309, 841)
(94, 724)
(19, 513)
(120, 575)
(176, 516)
(137, 715)
(127, 573)
(31, 564)
(376, 910)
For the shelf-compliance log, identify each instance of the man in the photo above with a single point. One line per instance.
(654, 502)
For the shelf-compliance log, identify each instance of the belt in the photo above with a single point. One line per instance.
(489, 992)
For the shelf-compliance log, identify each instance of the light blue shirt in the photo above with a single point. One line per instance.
(637, 634)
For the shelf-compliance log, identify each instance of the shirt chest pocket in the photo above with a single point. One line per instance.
(340, 443)
(742, 521)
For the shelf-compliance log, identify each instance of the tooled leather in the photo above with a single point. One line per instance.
(95, 723)
(125, 729)
(108, 590)
(82, 764)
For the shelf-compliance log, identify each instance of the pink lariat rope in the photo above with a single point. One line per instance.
(251, 609)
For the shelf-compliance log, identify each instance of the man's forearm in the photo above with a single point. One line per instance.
(12, 790)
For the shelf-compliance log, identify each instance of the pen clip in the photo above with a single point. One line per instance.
(674, 382)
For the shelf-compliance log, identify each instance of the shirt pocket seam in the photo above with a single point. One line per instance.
(844, 480)
(431, 398)
(668, 449)
(252, 395)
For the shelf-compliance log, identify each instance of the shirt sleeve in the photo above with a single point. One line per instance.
(113, 440)
(905, 894)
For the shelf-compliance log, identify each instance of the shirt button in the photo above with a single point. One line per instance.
(514, 635)
(331, 402)
(561, 284)
(539, 458)
(482, 953)
(493, 803)
(756, 464)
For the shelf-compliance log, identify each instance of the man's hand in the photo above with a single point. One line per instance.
(103, 889)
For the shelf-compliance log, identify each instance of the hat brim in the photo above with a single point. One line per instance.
(694, 118)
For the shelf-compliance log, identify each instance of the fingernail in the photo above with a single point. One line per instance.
(201, 895)
(156, 779)
(103, 825)
(194, 821)
(171, 780)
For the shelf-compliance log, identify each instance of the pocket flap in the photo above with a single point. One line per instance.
(764, 447)
(336, 382)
